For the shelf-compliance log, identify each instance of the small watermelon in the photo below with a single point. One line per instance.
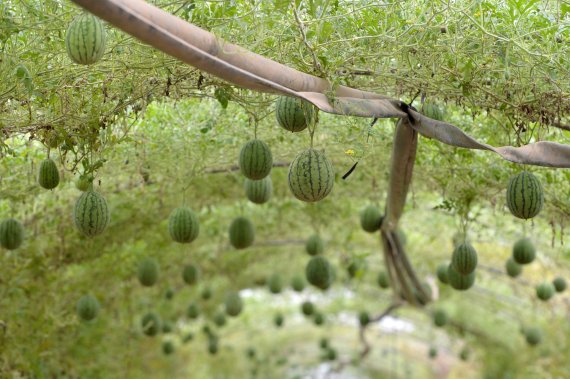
(220, 319)
(183, 225)
(432, 352)
(255, 160)
(440, 318)
(524, 251)
(298, 283)
(307, 308)
(151, 324)
(193, 311)
(48, 176)
(11, 234)
(275, 284)
(442, 273)
(234, 304)
(383, 280)
(84, 183)
(213, 346)
(545, 291)
(87, 307)
(91, 213)
(559, 284)
(278, 320)
(319, 319)
(148, 271)
(363, 318)
(464, 258)
(168, 347)
(319, 272)
(458, 281)
(85, 39)
(433, 110)
(311, 176)
(167, 327)
(533, 336)
(512, 268)
(293, 114)
(206, 293)
(525, 197)
(464, 354)
(258, 191)
(242, 233)
(330, 354)
(314, 245)
(190, 274)
(324, 343)
(371, 219)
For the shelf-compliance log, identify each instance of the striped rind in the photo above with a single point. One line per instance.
(85, 39)
(242, 233)
(464, 259)
(559, 284)
(298, 283)
(148, 272)
(524, 251)
(433, 111)
(545, 291)
(371, 219)
(87, 307)
(458, 281)
(183, 225)
(258, 191)
(190, 274)
(290, 113)
(48, 175)
(275, 283)
(314, 245)
(11, 234)
(318, 272)
(91, 213)
(255, 160)
(234, 304)
(311, 176)
(512, 268)
(525, 196)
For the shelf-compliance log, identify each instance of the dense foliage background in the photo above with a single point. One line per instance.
(160, 134)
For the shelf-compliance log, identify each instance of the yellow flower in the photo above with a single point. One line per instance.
(349, 152)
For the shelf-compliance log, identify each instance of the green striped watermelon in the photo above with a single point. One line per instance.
(545, 291)
(190, 274)
(193, 311)
(442, 273)
(233, 303)
(87, 307)
(84, 183)
(183, 225)
(363, 318)
(311, 176)
(308, 308)
(371, 219)
(458, 281)
(440, 318)
(432, 110)
(533, 336)
(91, 214)
(278, 320)
(319, 272)
(151, 324)
(524, 251)
(314, 245)
(275, 283)
(512, 268)
(255, 160)
(293, 114)
(85, 39)
(298, 283)
(559, 284)
(168, 347)
(258, 191)
(525, 197)
(11, 234)
(383, 279)
(242, 233)
(464, 258)
(48, 176)
(219, 318)
(148, 271)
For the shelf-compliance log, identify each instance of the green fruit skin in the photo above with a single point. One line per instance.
(291, 113)
(319, 319)
(383, 280)
(148, 271)
(206, 293)
(525, 197)
(48, 176)
(11, 234)
(524, 251)
(308, 308)
(363, 318)
(168, 347)
(275, 284)
(298, 284)
(545, 291)
(458, 281)
(464, 354)
(311, 176)
(279, 320)
(440, 318)
(193, 311)
(87, 307)
(183, 225)
(242, 233)
(167, 327)
(190, 274)
(559, 284)
(442, 273)
(258, 191)
(314, 245)
(432, 111)
(255, 160)
(464, 259)
(330, 354)
(533, 336)
(91, 214)
(318, 272)
(220, 319)
(371, 219)
(234, 304)
(512, 268)
(151, 324)
(432, 352)
(213, 346)
(83, 184)
(85, 39)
